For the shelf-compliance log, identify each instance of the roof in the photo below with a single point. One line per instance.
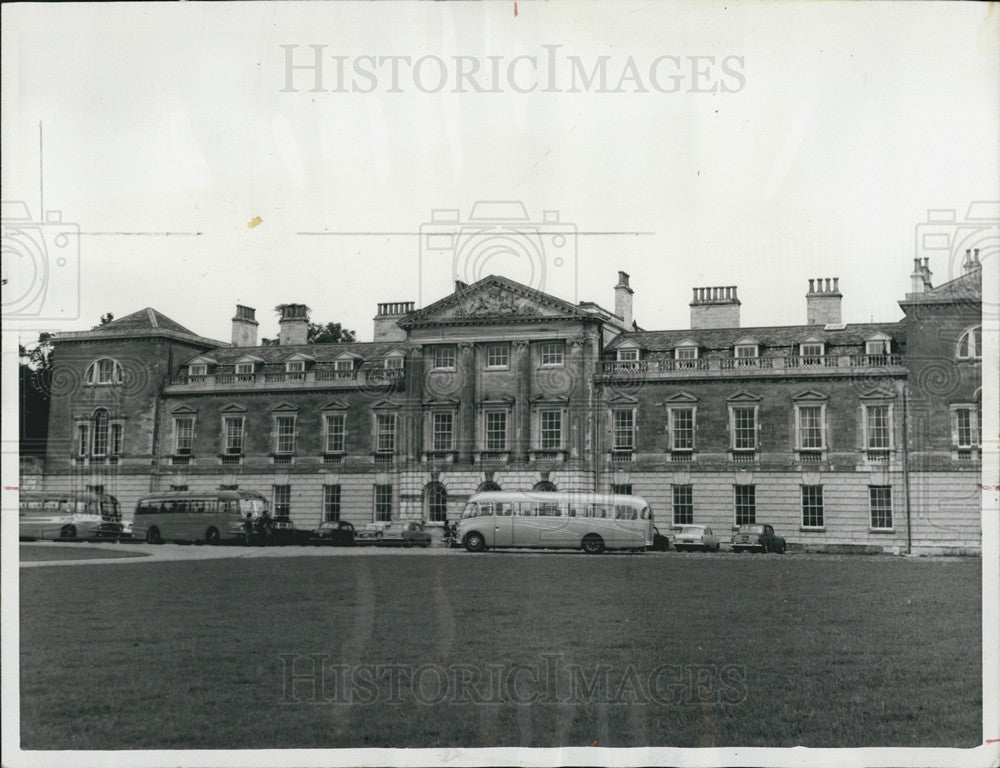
(144, 323)
(964, 288)
(321, 353)
(144, 318)
(768, 336)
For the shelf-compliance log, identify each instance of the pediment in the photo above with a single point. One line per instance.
(442, 401)
(300, 356)
(248, 359)
(494, 299)
(877, 394)
(335, 405)
(744, 397)
(183, 410)
(284, 408)
(384, 404)
(233, 408)
(810, 395)
(554, 399)
(201, 360)
(681, 397)
(622, 399)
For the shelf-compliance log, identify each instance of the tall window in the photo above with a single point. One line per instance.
(880, 504)
(82, 439)
(100, 447)
(551, 430)
(810, 423)
(969, 346)
(385, 432)
(285, 434)
(878, 431)
(234, 434)
(334, 430)
(183, 435)
(744, 428)
(812, 506)
(498, 356)
(437, 503)
(551, 353)
(331, 503)
(963, 427)
(623, 428)
(282, 500)
(117, 438)
(444, 357)
(746, 504)
(682, 429)
(383, 503)
(496, 430)
(104, 371)
(683, 504)
(442, 431)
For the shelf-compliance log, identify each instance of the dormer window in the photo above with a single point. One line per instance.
(686, 353)
(344, 364)
(198, 369)
(628, 354)
(295, 366)
(969, 346)
(394, 362)
(244, 368)
(811, 352)
(877, 347)
(103, 372)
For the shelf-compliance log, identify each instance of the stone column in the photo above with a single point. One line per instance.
(522, 411)
(412, 411)
(579, 370)
(466, 373)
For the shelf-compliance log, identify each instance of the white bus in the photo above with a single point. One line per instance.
(69, 515)
(211, 516)
(592, 522)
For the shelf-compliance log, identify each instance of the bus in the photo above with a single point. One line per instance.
(210, 516)
(592, 522)
(69, 515)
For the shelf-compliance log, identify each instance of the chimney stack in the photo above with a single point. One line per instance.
(715, 307)
(623, 301)
(293, 327)
(389, 312)
(972, 262)
(245, 327)
(823, 301)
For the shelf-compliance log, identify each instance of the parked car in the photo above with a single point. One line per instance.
(758, 537)
(283, 531)
(337, 533)
(369, 534)
(405, 534)
(691, 537)
(661, 543)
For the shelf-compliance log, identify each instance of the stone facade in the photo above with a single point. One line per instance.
(859, 435)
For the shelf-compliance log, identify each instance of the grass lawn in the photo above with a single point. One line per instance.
(695, 651)
(71, 552)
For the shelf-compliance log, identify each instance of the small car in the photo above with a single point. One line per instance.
(405, 534)
(369, 534)
(337, 533)
(757, 537)
(661, 543)
(691, 537)
(282, 531)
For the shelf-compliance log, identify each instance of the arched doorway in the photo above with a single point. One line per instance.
(545, 486)
(435, 503)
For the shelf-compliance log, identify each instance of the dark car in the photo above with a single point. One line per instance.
(661, 543)
(336, 533)
(282, 531)
(759, 537)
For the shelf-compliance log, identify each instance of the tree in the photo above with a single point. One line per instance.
(35, 381)
(107, 317)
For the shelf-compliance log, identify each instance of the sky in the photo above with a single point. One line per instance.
(813, 143)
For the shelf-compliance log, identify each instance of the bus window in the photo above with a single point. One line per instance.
(252, 506)
(646, 514)
(485, 508)
(166, 508)
(471, 510)
(548, 509)
(505, 508)
(527, 509)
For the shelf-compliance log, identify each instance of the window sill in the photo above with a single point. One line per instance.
(448, 455)
(881, 530)
(812, 528)
(548, 454)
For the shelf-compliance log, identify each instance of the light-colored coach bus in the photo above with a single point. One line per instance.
(69, 515)
(211, 516)
(592, 522)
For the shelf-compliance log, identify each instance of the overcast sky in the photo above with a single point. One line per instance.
(832, 129)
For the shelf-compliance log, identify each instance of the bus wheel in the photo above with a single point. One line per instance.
(212, 536)
(474, 542)
(153, 536)
(593, 544)
(68, 532)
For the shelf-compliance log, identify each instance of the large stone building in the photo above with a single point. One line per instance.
(842, 435)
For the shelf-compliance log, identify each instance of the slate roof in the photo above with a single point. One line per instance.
(967, 287)
(322, 353)
(147, 318)
(781, 336)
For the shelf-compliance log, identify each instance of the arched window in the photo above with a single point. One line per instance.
(100, 431)
(969, 346)
(104, 371)
(488, 485)
(545, 486)
(435, 503)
